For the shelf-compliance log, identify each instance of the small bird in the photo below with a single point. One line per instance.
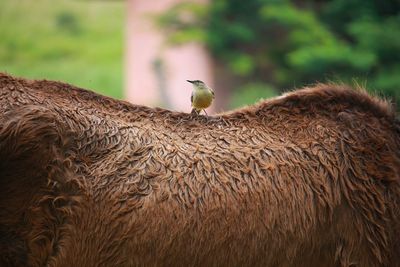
(202, 96)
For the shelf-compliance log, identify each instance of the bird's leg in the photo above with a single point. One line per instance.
(194, 111)
(205, 112)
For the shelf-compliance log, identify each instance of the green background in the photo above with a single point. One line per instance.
(79, 42)
(264, 46)
(271, 45)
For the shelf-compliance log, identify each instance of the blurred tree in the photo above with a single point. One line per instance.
(282, 43)
(68, 22)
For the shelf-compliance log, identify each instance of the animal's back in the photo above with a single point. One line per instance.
(308, 179)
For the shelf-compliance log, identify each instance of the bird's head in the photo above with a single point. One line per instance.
(198, 84)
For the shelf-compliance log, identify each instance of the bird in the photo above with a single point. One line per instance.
(202, 96)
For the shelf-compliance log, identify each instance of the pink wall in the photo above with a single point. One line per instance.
(144, 44)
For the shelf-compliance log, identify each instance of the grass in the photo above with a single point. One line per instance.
(79, 42)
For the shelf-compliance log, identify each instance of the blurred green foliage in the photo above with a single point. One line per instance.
(79, 42)
(282, 44)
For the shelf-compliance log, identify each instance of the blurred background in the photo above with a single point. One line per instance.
(145, 50)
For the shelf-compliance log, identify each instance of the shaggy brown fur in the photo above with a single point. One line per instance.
(307, 179)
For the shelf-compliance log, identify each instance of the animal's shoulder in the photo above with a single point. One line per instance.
(343, 96)
(326, 98)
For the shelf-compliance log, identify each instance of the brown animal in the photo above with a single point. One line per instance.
(307, 179)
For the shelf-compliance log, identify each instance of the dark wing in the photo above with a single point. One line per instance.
(191, 98)
(212, 91)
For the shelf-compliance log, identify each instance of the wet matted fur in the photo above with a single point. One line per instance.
(307, 179)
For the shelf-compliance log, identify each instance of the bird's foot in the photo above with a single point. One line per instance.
(195, 111)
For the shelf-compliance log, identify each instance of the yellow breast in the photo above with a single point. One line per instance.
(202, 99)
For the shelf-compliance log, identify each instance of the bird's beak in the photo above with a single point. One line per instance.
(190, 81)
